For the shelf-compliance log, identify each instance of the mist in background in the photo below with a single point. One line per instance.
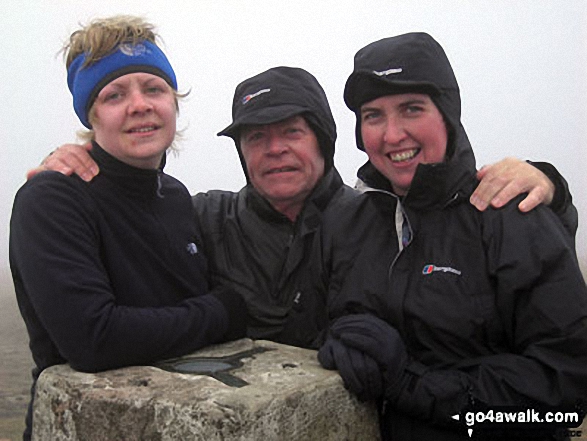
(521, 66)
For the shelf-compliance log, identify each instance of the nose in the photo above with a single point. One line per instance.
(276, 145)
(394, 131)
(139, 103)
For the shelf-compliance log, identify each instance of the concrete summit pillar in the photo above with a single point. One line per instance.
(250, 390)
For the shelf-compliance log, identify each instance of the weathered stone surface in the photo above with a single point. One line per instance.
(288, 397)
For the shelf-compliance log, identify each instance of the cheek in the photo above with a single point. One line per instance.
(104, 120)
(171, 110)
(438, 140)
(370, 138)
(172, 127)
(316, 159)
(317, 171)
(100, 131)
(370, 148)
(320, 167)
(248, 157)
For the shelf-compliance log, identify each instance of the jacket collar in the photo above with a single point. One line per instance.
(134, 181)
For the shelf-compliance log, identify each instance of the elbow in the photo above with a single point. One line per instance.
(88, 363)
(92, 360)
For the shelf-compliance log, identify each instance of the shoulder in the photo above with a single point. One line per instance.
(173, 184)
(511, 213)
(214, 206)
(49, 186)
(51, 200)
(345, 194)
(510, 224)
(350, 202)
(357, 213)
(214, 200)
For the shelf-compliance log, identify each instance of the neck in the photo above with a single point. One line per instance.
(291, 211)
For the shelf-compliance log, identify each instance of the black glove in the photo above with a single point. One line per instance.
(360, 374)
(379, 342)
(408, 384)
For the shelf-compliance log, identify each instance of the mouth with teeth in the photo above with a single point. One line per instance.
(144, 129)
(404, 156)
(280, 170)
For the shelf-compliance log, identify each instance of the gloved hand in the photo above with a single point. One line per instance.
(360, 373)
(378, 341)
(408, 385)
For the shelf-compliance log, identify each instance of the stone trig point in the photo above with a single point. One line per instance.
(246, 390)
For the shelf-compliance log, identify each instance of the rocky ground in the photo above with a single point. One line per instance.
(15, 369)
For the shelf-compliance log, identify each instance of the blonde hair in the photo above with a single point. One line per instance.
(101, 37)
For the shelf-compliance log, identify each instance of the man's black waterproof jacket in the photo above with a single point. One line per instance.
(272, 262)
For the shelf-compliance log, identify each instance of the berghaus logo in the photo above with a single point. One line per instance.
(250, 96)
(429, 269)
(384, 73)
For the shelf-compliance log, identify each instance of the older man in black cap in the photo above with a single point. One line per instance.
(264, 240)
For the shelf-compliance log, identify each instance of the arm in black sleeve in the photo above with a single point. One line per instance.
(562, 201)
(61, 278)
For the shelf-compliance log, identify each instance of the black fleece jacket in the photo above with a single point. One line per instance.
(109, 273)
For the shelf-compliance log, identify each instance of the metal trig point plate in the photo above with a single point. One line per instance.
(215, 367)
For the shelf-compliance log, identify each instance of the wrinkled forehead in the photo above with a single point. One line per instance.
(289, 121)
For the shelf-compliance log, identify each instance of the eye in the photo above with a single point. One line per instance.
(293, 130)
(413, 109)
(370, 115)
(155, 90)
(111, 96)
(254, 136)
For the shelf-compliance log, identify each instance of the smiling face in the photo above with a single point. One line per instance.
(284, 162)
(134, 119)
(401, 131)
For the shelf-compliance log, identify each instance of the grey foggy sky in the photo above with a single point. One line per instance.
(521, 66)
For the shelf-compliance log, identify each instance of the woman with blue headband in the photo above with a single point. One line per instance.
(108, 273)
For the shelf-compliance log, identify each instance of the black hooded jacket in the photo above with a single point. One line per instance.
(275, 264)
(491, 305)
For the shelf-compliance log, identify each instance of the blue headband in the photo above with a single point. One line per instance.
(86, 82)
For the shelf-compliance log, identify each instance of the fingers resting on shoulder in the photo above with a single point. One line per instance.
(69, 159)
(506, 179)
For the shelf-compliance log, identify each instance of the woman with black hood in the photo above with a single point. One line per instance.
(438, 309)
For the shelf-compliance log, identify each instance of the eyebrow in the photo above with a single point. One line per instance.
(408, 102)
(368, 109)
